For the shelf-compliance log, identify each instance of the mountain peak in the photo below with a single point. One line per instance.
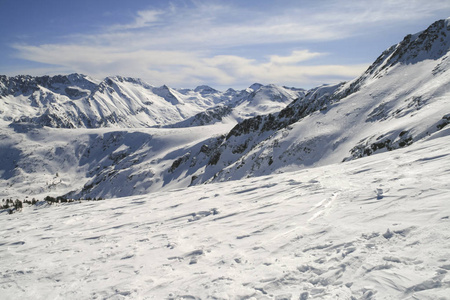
(256, 86)
(168, 94)
(205, 89)
(431, 43)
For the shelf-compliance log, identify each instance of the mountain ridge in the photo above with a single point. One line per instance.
(265, 129)
(77, 101)
(262, 135)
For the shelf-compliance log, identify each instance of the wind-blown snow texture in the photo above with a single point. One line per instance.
(360, 220)
(374, 228)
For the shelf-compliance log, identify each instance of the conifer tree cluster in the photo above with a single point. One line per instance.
(17, 205)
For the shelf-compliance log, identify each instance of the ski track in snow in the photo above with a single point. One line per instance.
(375, 228)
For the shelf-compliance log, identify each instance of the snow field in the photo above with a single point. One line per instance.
(374, 228)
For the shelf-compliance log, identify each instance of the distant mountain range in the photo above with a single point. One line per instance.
(72, 135)
(78, 101)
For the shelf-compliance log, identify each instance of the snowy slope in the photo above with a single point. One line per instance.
(372, 228)
(256, 100)
(38, 161)
(402, 98)
(102, 162)
(265, 99)
(118, 161)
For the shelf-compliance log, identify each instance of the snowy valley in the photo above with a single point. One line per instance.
(337, 192)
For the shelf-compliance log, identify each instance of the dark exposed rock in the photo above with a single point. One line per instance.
(178, 162)
(444, 122)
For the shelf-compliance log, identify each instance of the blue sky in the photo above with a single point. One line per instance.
(223, 44)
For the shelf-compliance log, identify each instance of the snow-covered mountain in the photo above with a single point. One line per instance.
(402, 98)
(254, 101)
(78, 101)
(373, 228)
(39, 113)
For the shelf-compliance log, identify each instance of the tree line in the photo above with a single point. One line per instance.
(17, 205)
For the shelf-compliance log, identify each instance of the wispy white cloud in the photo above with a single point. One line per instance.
(144, 18)
(295, 57)
(182, 68)
(282, 70)
(185, 45)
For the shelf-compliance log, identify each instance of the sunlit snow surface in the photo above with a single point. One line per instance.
(374, 228)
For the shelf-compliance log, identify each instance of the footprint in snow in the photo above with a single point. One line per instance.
(379, 193)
